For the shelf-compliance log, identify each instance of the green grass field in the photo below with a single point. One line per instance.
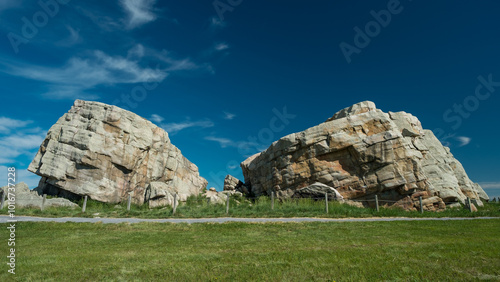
(348, 251)
(197, 207)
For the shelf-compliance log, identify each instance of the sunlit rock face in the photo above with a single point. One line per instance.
(362, 152)
(106, 152)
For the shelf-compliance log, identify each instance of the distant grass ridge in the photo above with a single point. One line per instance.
(198, 207)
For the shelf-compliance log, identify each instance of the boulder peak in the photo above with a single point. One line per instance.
(356, 109)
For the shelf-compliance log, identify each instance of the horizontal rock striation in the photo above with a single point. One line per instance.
(106, 152)
(361, 152)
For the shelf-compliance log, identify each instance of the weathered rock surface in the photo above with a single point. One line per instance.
(159, 194)
(106, 152)
(24, 197)
(362, 151)
(215, 197)
(317, 191)
(232, 183)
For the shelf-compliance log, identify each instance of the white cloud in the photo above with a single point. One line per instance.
(490, 185)
(226, 142)
(139, 12)
(223, 142)
(156, 118)
(463, 140)
(72, 39)
(136, 52)
(221, 46)
(13, 146)
(103, 21)
(7, 124)
(24, 142)
(81, 74)
(84, 73)
(229, 116)
(99, 68)
(173, 64)
(174, 127)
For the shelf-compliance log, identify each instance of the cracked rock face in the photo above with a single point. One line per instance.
(106, 152)
(362, 151)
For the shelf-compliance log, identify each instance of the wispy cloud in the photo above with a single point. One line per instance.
(136, 52)
(22, 141)
(97, 68)
(8, 124)
(175, 127)
(102, 20)
(11, 147)
(156, 118)
(490, 185)
(25, 141)
(463, 140)
(229, 116)
(216, 23)
(72, 39)
(221, 46)
(223, 142)
(139, 12)
(226, 142)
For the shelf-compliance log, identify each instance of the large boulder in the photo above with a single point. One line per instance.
(106, 152)
(362, 151)
(24, 198)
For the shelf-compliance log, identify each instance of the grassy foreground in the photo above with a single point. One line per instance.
(350, 251)
(197, 207)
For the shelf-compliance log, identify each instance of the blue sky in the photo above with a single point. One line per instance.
(226, 78)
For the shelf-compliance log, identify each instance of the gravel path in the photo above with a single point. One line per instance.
(4, 219)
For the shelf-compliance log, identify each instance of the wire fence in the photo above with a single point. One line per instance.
(373, 202)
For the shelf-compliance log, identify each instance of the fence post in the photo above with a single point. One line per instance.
(272, 200)
(129, 201)
(376, 202)
(175, 204)
(227, 204)
(3, 200)
(326, 202)
(84, 204)
(421, 205)
(43, 201)
(468, 203)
